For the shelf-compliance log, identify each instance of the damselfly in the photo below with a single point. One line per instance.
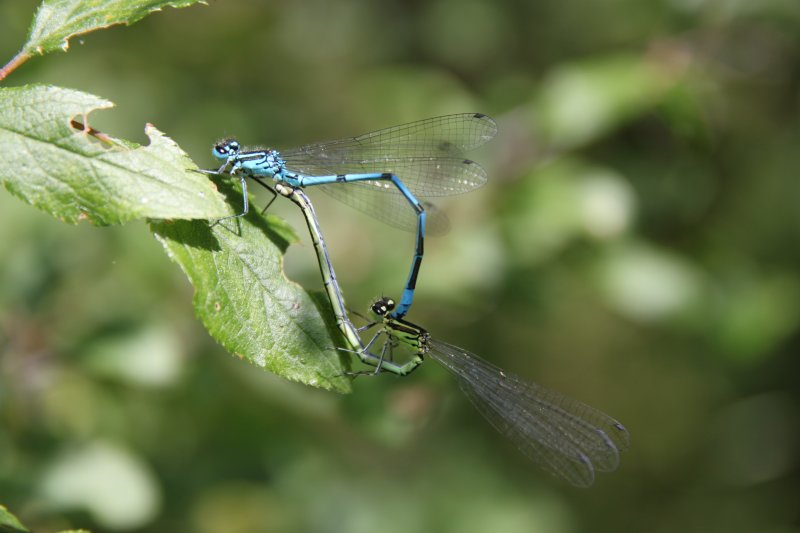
(351, 334)
(378, 173)
(564, 436)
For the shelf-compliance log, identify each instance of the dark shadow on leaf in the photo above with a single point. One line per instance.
(193, 233)
(268, 225)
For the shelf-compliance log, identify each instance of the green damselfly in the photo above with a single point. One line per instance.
(565, 437)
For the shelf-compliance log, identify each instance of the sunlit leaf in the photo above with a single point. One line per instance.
(57, 21)
(246, 302)
(52, 159)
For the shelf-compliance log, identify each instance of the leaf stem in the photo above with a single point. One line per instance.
(18, 59)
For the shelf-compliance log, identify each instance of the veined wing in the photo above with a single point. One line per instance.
(564, 436)
(448, 135)
(369, 197)
(424, 176)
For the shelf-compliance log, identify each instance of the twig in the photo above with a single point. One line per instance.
(18, 59)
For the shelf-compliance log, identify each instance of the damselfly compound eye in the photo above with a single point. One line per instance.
(226, 148)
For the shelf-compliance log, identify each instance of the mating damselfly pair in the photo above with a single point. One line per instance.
(389, 174)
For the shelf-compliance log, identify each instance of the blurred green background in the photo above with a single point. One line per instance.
(636, 248)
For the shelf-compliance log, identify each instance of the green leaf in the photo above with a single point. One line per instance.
(246, 301)
(9, 522)
(53, 160)
(57, 21)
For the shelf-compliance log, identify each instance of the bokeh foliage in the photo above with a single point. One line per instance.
(634, 248)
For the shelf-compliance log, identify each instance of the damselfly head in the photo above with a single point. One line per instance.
(225, 149)
(383, 306)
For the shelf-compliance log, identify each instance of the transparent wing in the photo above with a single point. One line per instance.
(424, 176)
(392, 208)
(423, 154)
(564, 436)
(382, 200)
(445, 136)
